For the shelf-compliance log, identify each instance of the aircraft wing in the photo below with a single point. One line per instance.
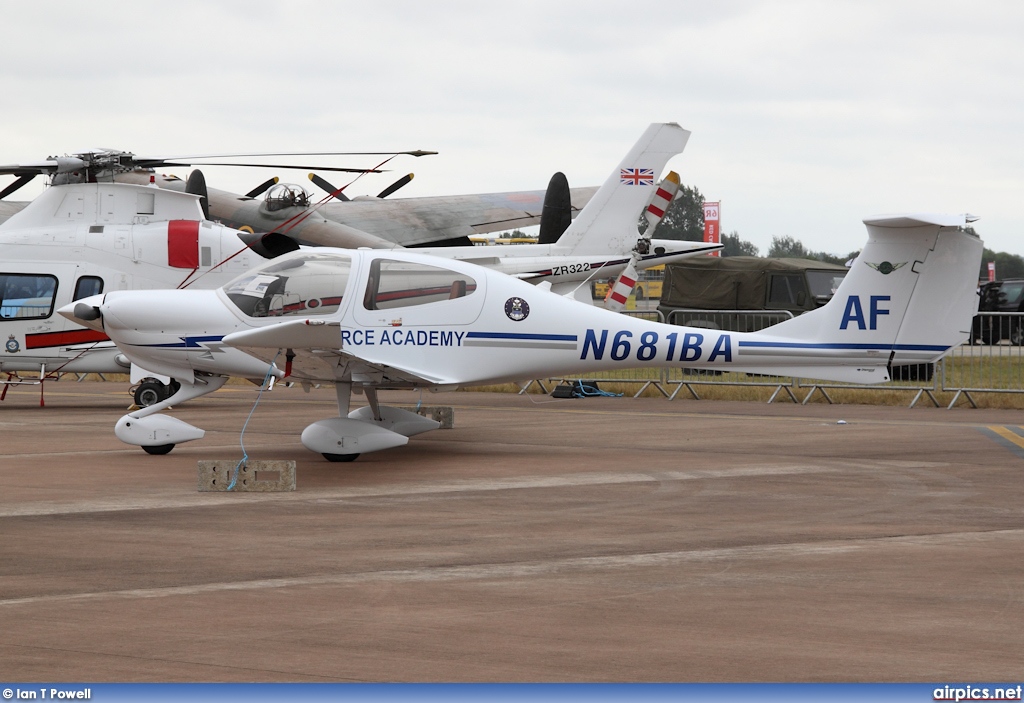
(318, 358)
(9, 209)
(404, 221)
(420, 221)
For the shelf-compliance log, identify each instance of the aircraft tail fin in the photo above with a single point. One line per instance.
(609, 221)
(909, 297)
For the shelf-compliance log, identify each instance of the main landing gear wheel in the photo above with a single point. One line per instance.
(149, 393)
(161, 449)
(152, 392)
(336, 457)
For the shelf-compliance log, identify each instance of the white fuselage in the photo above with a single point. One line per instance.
(76, 240)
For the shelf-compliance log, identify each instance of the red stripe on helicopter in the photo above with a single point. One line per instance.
(183, 244)
(63, 339)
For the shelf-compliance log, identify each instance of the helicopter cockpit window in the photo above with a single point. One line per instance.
(310, 284)
(285, 195)
(399, 284)
(26, 296)
(87, 286)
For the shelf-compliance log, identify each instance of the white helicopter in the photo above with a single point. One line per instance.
(79, 239)
(368, 320)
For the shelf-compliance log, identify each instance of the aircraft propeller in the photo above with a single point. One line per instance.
(661, 198)
(323, 184)
(21, 180)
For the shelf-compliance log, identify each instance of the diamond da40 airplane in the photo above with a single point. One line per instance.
(79, 239)
(369, 320)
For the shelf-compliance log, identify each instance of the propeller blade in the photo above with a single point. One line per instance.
(400, 183)
(262, 187)
(660, 200)
(22, 180)
(557, 213)
(620, 291)
(87, 312)
(329, 188)
(196, 185)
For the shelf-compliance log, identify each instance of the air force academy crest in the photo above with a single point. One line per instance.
(885, 268)
(517, 309)
(12, 345)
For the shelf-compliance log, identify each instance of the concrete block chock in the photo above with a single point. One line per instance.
(253, 476)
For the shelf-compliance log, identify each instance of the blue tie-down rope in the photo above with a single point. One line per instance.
(582, 391)
(241, 437)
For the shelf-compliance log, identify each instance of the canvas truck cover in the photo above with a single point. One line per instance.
(730, 282)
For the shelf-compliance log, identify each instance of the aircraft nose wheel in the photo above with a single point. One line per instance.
(337, 457)
(161, 449)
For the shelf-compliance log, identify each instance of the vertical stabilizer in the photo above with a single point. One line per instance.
(910, 294)
(609, 220)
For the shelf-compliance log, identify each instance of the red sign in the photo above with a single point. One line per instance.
(712, 230)
(991, 270)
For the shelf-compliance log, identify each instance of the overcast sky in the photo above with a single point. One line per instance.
(806, 116)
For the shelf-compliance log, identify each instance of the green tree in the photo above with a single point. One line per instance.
(787, 247)
(1007, 265)
(832, 258)
(734, 246)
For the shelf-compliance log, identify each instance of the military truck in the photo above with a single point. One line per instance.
(1005, 296)
(745, 293)
(749, 293)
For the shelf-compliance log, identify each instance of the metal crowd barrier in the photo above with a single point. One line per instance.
(992, 361)
(738, 320)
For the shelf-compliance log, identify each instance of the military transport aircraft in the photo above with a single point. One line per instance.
(78, 239)
(370, 320)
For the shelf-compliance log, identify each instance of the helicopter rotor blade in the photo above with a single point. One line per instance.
(319, 168)
(151, 161)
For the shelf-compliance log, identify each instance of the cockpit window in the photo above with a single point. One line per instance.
(26, 296)
(399, 284)
(310, 284)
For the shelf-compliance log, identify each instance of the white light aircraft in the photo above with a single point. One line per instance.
(79, 239)
(369, 320)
